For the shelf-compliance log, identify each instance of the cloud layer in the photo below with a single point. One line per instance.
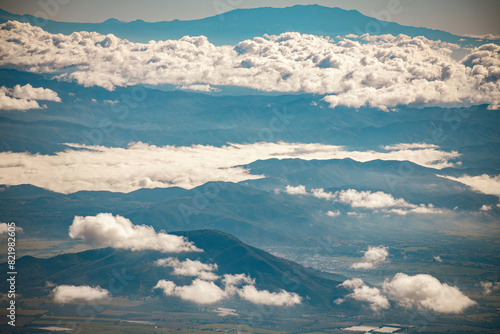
(106, 230)
(63, 294)
(373, 256)
(380, 71)
(24, 97)
(148, 166)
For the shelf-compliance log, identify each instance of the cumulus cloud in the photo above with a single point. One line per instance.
(24, 97)
(373, 256)
(147, 166)
(426, 292)
(370, 200)
(190, 268)
(106, 230)
(321, 193)
(438, 259)
(362, 292)
(381, 71)
(282, 298)
(420, 209)
(482, 183)
(489, 287)
(201, 291)
(4, 228)
(299, 190)
(333, 213)
(10, 103)
(63, 294)
(29, 92)
(485, 207)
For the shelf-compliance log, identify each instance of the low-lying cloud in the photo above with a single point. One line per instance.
(64, 294)
(141, 165)
(423, 292)
(106, 230)
(282, 298)
(369, 200)
(379, 71)
(199, 291)
(25, 97)
(299, 190)
(4, 229)
(377, 201)
(190, 268)
(482, 183)
(426, 292)
(364, 293)
(207, 292)
(489, 287)
(373, 256)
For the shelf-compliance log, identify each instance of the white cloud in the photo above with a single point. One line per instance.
(244, 286)
(426, 292)
(420, 209)
(369, 200)
(321, 193)
(299, 190)
(373, 256)
(362, 292)
(190, 268)
(486, 207)
(486, 36)
(382, 71)
(199, 88)
(282, 298)
(10, 103)
(409, 146)
(203, 292)
(29, 92)
(489, 287)
(63, 294)
(482, 183)
(200, 291)
(106, 230)
(333, 213)
(4, 228)
(24, 97)
(147, 166)
(438, 259)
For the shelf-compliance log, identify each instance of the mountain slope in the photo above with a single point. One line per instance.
(101, 266)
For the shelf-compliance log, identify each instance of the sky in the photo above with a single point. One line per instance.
(477, 17)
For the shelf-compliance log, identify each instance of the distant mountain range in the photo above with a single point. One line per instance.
(216, 120)
(240, 24)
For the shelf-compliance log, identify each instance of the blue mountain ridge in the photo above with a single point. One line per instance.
(237, 25)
